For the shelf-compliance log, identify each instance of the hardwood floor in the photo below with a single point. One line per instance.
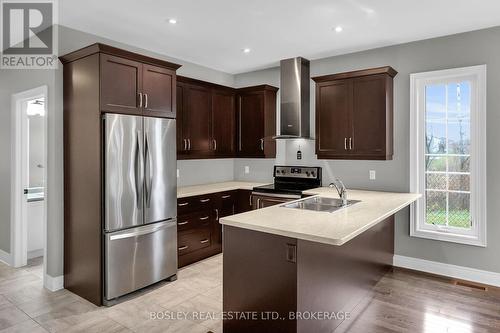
(408, 301)
(403, 301)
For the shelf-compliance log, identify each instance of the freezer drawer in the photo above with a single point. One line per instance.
(138, 257)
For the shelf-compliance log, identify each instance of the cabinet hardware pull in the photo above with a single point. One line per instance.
(183, 247)
(204, 241)
(182, 204)
(216, 214)
(215, 144)
(226, 196)
(204, 200)
(140, 100)
(189, 144)
(258, 203)
(204, 218)
(350, 143)
(183, 223)
(146, 101)
(291, 252)
(250, 200)
(239, 125)
(261, 144)
(185, 144)
(345, 143)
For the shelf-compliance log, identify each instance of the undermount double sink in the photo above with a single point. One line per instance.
(320, 204)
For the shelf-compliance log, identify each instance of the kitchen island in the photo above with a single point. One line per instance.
(294, 270)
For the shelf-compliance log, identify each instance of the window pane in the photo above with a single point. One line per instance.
(436, 181)
(436, 207)
(458, 137)
(459, 210)
(435, 137)
(447, 160)
(435, 163)
(460, 182)
(459, 163)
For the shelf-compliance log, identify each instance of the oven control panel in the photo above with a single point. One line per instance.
(297, 172)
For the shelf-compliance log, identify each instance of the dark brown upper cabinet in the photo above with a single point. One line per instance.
(158, 87)
(256, 118)
(354, 115)
(215, 121)
(205, 119)
(131, 83)
(223, 123)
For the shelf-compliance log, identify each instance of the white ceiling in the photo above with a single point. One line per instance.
(214, 32)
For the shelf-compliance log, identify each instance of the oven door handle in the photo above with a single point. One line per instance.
(277, 195)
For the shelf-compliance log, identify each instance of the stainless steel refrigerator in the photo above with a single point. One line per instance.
(140, 193)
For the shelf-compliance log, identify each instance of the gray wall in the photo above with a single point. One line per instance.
(473, 48)
(194, 172)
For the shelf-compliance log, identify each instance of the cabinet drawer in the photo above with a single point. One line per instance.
(193, 204)
(189, 241)
(195, 220)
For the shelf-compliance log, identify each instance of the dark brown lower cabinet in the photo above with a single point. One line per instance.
(276, 279)
(199, 233)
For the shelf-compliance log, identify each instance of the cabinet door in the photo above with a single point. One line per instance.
(251, 125)
(197, 117)
(270, 124)
(158, 85)
(226, 205)
(243, 201)
(180, 114)
(369, 117)
(333, 109)
(223, 123)
(121, 83)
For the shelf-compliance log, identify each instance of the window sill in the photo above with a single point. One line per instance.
(449, 237)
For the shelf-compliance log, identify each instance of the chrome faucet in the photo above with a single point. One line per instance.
(341, 190)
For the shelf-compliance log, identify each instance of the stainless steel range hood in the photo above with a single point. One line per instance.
(294, 92)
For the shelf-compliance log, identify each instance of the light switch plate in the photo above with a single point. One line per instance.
(178, 174)
(373, 175)
(247, 169)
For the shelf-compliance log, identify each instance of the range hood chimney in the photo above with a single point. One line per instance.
(294, 92)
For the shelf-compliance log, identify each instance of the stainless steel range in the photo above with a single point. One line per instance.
(289, 183)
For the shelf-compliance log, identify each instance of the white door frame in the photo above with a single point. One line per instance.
(19, 177)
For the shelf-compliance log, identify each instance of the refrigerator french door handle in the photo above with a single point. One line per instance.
(148, 171)
(144, 230)
(138, 182)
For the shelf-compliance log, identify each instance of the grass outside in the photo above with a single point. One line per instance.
(457, 218)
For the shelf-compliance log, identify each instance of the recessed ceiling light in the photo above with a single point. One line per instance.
(246, 50)
(172, 21)
(338, 29)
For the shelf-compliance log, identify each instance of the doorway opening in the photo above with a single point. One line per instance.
(29, 171)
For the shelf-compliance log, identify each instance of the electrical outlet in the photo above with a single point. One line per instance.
(247, 169)
(373, 175)
(178, 174)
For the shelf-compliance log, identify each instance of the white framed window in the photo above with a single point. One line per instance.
(448, 154)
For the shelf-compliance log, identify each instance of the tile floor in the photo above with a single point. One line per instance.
(25, 306)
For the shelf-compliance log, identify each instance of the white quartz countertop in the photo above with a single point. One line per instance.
(189, 191)
(335, 228)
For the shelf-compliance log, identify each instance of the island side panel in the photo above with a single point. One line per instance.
(258, 276)
(336, 278)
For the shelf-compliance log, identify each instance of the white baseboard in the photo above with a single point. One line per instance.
(6, 258)
(54, 283)
(453, 271)
(35, 254)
